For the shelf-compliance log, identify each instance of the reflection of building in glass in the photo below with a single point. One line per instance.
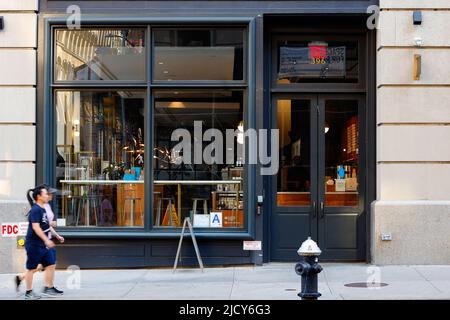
(101, 54)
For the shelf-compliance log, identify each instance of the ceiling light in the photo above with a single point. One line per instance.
(240, 136)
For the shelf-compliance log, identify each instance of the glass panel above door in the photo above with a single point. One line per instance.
(317, 62)
(294, 176)
(341, 153)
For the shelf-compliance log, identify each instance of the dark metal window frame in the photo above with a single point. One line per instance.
(46, 125)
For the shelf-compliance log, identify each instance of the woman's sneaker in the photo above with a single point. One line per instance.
(52, 292)
(31, 296)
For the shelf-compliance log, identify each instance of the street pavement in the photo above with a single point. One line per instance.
(274, 281)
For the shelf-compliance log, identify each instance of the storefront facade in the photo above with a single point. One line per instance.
(111, 93)
(132, 208)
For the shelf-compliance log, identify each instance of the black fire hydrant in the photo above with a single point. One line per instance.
(308, 268)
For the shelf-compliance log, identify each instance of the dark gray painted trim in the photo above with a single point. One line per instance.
(250, 180)
(267, 122)
(213, 7)
(148, 136)
(126, 253)
(132, 20)
(153, 235)
(257, 256)
(371, 136)
(317, 89)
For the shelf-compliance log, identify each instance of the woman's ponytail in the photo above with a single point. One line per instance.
(29, 198)
(35, 192)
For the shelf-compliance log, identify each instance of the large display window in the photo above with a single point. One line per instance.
(115, 119)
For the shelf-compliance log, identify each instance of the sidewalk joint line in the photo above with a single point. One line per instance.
(427, 279)
(232, 284)
(134, 286)
(326, 281)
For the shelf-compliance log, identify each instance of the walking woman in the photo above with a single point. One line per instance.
(37, 243)
(50, 289)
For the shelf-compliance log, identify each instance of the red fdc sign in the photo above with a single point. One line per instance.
(14, 229)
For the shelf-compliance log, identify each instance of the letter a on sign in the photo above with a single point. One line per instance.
(216, 220)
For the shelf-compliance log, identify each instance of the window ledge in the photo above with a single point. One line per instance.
(244, 235)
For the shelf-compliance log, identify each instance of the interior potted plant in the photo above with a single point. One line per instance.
(115, 171)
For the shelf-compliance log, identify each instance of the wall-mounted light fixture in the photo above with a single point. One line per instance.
(1, 23)
(417, 18)
(417, 66)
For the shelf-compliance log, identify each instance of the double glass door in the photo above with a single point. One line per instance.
(319, 188)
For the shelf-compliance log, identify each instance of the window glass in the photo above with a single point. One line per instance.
(341, 153)
(317, 62)
(100, 54)
(198, 54)
(100, 158)
(198, 168)
(294, 176)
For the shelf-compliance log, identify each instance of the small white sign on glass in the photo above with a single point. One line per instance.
(340, 185)
(201, 221)
(60, 222)
(215, 220)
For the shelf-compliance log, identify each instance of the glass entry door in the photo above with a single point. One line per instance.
(318, 190)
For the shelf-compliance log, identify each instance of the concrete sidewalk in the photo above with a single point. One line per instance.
(274, 281)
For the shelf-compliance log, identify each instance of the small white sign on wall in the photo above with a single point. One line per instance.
(23, 228)
(14, 229)
(252, 245)
(215, 220)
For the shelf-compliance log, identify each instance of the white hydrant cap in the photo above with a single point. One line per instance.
(309, 248)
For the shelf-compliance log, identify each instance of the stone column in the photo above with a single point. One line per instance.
(18, 44)
(413, 135)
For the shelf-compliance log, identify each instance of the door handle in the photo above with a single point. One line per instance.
(314, 209)
(322, 211)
